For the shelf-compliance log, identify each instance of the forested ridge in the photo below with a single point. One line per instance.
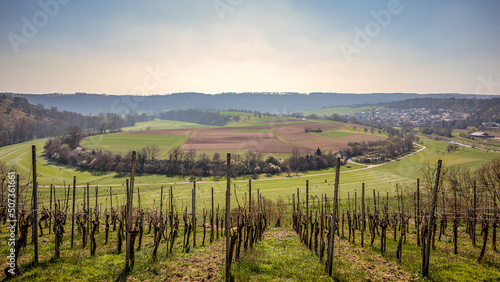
(282, 102)
(21, 121)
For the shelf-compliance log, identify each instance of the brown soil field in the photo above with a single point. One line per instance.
(225, 139)
(284, 139)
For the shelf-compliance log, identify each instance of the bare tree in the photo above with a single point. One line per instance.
(153, 152)
(75, 135)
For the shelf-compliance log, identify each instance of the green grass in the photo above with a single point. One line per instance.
(335, 134)
(162, 124)
(241, 114)
(279, 256)
(122, 143)
(336, 110)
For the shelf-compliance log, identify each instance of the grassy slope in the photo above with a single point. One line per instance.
(411, 166)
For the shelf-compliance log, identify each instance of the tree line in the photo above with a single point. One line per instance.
(375, 151)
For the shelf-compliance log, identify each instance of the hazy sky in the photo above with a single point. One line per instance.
(157, 47)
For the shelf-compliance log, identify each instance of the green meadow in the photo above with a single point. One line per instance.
(122, 143)
(335, 134)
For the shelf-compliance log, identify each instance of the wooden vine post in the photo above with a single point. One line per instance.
(455, 225)
(329, 262)
(250, 212)
(50, 208)
(495, 211)
(35, 205)
(426, 251)
(73, 213)
(194, 214)
(129, 261)
(474, 216)
(363, 215)
(228, 217)
(212, 219)
(87, 231)
(307, 215)
(417, 214)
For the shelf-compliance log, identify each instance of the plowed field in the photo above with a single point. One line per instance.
(275, 138)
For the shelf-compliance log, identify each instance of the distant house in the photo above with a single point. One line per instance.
(491, 125)
(480, 135)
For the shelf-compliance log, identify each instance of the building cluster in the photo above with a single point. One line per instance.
(414, 116)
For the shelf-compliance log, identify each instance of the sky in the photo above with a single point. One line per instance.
(217, 46)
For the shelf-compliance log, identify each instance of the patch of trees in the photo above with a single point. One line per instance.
(196, 116)
(375, 151)
(438, 130)
(21, 121)
(451, 147)
(308, 129)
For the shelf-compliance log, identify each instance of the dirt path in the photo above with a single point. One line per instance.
(11, 153)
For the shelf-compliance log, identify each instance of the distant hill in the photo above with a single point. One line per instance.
(264, 102)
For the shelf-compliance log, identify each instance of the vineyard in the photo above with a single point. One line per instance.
(436, 228)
